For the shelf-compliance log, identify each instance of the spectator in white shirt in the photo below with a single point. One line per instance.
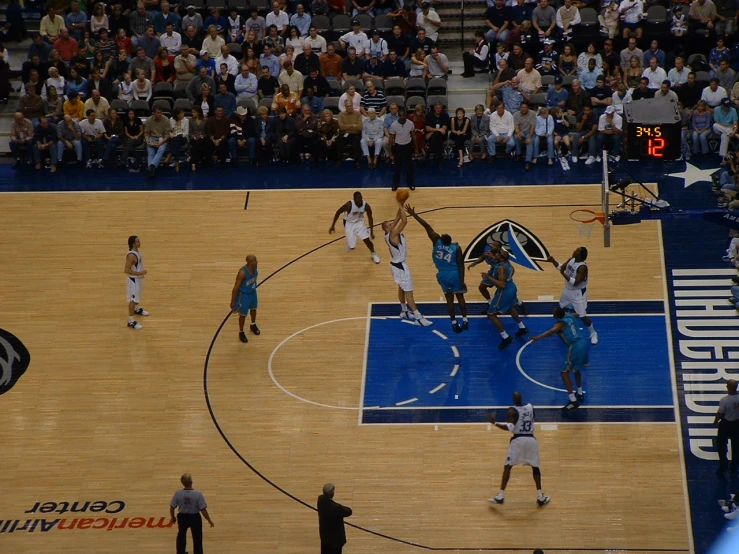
(620, 97)
(429, 20)
(678, 75)
(713, 94)
(655, 74)
(316, 41)
(171, 40)
(355, 38)
(231, 62)
(632, 13)
(278, 18)
(501, 131)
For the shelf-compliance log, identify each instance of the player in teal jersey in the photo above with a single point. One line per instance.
(244, 296)
(566, 326)
(488, 256)
(449, 262)
(505, 298)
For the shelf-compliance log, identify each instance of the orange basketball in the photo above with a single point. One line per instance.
(402, 195)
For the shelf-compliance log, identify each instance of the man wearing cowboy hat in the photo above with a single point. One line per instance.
(243, 135)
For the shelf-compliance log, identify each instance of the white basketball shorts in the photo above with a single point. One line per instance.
(133, 290)
(354, 231)
(402, 277)
(523, 451)
(574, 300)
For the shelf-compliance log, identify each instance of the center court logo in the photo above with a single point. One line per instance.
(14, 360)
(524, 246)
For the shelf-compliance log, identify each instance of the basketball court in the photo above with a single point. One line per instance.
(336, 389)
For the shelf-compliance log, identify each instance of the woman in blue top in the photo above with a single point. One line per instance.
(700, 124)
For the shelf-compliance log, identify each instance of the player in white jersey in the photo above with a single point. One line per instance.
(523, 448)
(354, 226)
(575, 294)
(396, 242)
(134, 270)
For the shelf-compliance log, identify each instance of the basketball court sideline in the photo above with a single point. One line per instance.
(106, 415)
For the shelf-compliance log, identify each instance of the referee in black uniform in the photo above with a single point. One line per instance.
(191, 504)
(331, 521)
(402, 141)
(727, 421)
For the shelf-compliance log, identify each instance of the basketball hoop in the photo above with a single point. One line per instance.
(585, 220)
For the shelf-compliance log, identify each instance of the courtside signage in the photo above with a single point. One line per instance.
(99, 515)
(705, 346)
(524, 247)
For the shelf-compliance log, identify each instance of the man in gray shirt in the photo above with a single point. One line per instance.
(727, 421)
(191, 504)
(544, 19)
(524, 122)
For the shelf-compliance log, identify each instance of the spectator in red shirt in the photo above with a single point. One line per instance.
(66, 45)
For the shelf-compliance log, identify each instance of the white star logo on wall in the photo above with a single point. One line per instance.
(692, 174)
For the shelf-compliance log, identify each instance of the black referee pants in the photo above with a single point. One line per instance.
(728, 431)
(195, 523)
(331, 549)
(403, 154)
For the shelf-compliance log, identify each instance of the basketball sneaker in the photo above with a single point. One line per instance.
(465, 325)
(405, 315)
(580, 396)
(134, 325)
(254, 329)
(456, 327)
(543, 500)
(505, 343)
(141, 311)
(522, 332)
(594, 338)
(375, 258)
(243, 337)
(497, 499)
(570, 406)
(423, 322)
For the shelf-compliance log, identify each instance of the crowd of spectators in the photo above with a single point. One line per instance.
(97, 77)
(283, 92)
(628, 51)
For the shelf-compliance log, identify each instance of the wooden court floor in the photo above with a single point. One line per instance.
(106, 414)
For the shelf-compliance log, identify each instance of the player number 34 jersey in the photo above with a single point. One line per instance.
(445, 257)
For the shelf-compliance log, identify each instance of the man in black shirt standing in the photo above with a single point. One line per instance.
(331, 521)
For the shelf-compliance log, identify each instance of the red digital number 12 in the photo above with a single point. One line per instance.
(655, 147)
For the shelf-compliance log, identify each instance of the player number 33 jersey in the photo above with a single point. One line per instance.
(525, 423)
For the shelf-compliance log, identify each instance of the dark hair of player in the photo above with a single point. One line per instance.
(446, 240)
(132, 241)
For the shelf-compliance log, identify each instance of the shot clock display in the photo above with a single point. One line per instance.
(653, 142)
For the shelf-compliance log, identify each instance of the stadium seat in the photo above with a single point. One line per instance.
(335, 87)
(432, 100)
(163, 90)
(141, 107)
(399, 100)
(119, 105)
(413, 101)
(357, 85)
(183, 104)
(416, 86)
(365, 22)
(163, 103)
(383, 23)
(249, 104)
(234, 48)
(322, 24)
(437, 85)
(331, 103)
(395, 86)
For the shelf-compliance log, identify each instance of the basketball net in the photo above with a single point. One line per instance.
(585, 220)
